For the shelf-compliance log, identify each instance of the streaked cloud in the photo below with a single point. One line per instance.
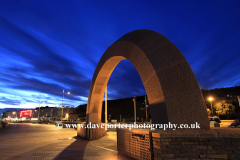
(48, 46)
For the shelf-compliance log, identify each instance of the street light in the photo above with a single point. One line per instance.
(134, 101)
(63, 101)
(210, 99)
(146, 105)
(106, 106)
(39, 109)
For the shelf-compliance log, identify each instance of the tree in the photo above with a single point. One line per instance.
(224, 107)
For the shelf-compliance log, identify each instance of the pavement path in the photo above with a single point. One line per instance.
(46, 142)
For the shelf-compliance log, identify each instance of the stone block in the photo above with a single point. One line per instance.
(175, 143)
(236, 143)
(224, 147)
(156, 146)
(190, 104)
(153, 42)
(200, 151)
(165, 139)
(186, 155)
(177, 79)
(167, 155)
(164, 143)
(194, 143)
(146, 70)
(189, 146)
(229, 139)
(168, 55)
(156, 152)
(154, 90)
(203, 147)
(178, 139)
(137, 57)
(96, 97)
(174, 146)
(224, 135)
(223, 151)
(211, 151)
(176, 158)
(234, 157)
(220, 156)
(98, 89)
(81, 131)
(237, 151)
(120, 48)
(101, 80)
(210, 143)
(155, 109)
(137, 36)
(187, 150)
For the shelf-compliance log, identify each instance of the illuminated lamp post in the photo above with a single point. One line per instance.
(39, 109)
(210, 99)
(106, 106)
(62, 103)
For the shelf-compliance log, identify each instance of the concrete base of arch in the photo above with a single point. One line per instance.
(90, 133)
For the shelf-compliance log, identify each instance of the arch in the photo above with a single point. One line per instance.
(172, 88)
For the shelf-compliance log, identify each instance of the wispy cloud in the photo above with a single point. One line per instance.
(46, 49)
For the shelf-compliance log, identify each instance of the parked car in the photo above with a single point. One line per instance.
(235, 123)
(216, 119)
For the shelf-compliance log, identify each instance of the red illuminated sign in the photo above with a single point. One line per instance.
(26, 114)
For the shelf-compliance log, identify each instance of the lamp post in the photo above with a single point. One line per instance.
(210, 99)
(135, 116)
(146, 105)
(39, 109)
(238, 100)
(106, 106)
(58, 115)
(62, 103)
(17, 113)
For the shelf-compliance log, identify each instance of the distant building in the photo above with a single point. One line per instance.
(10, 114)
(73, 117)
(26, 114)
(54, 113)
(46, 113)
(232, 97)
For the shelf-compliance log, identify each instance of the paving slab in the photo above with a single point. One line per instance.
(24, 141)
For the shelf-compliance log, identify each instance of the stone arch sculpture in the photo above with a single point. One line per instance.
(173, 91)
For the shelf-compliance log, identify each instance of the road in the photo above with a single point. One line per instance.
(43, 141)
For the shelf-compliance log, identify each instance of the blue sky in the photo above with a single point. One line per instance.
(47, 46)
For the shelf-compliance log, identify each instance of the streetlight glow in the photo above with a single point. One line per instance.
(210, 98)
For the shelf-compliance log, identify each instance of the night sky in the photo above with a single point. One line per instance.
(49, 46)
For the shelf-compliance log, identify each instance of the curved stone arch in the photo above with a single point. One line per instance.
(172, 88)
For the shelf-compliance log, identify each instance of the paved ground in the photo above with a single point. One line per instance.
(42, 141)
